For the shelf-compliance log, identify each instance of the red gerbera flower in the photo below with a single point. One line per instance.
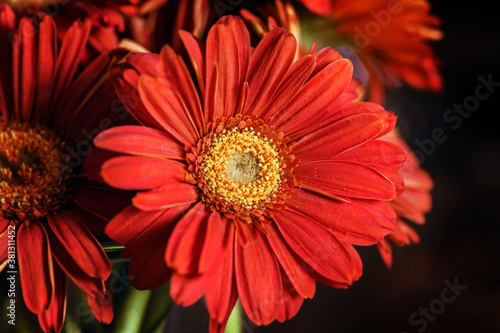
(412, 204)
(47, 119)
(390, 39)
(257, 179)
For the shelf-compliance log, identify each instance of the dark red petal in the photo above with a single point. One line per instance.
(130, 223)
(101, 305)
(142, 173)
(70, 267)
(53, 317)
(167, 108)
(222, 51)
(45, 67)
(258, 276)
(195, 50)
(316, 245)
(346, 180)
(269, 64)
(222, 294)
(35, 266)
(351, 222)
(338, 137)
(167, 196)
(80, 244)
(24, 64)
(301, 280)
(102, 201)
(72, 47)
(148, 269)
(186, 243)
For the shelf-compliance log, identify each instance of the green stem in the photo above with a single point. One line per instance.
(234, 322)
(133, 311)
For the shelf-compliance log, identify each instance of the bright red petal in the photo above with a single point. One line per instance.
(345, 180)
(142, 173)
(351, 222)
(167, 196)
(186, 243)
(141, 141)
(258, 276)
(316, 245)
(269, 64)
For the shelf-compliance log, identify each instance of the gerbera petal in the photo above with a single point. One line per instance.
(375, 152)
(338, 137)
(213, 246)
(385, 250)
(186, 243)
(242, 39)
(53, 317)
(294, 79)
(269, 64)
(292, 301)
(195, 50)
(72, 47)
(24, 65)
(102, 201)
(186, 290)
(101, 305)
(80, 244)
(171, 195)
(222, 294)
(141, 173)
(301, 280)
(176, 71)
(46, 62)
(224, 83)
(351, 222)
(148, 269)
(141, 141)
(315, 97)
(165, 105)
(258, 277)
(130, 223)
(316, 245)
(35, 266)
(345, 179)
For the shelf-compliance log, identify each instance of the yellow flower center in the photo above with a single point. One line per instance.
(242, 168)
(33, 172)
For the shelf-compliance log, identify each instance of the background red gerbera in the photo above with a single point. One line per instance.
(48, 117)
(390, 38)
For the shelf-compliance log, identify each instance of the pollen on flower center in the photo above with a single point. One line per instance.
(242, 167)
(33, 172)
